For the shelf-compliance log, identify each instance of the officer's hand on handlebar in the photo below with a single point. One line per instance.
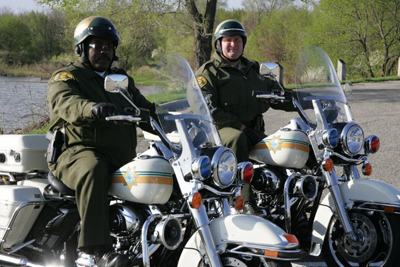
(103, 110)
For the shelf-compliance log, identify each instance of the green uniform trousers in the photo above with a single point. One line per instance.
(87, 171)
(237, 141)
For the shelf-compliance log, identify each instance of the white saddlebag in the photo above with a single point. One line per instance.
(23, 153)
(29, 201)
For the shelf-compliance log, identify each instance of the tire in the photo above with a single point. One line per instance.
(378, 241)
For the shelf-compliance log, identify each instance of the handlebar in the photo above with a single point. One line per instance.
(128, 118)
(271, 96)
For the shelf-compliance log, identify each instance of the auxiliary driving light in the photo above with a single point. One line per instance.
(331, 138)
(245, 171)
(371, 144)
(201, 167)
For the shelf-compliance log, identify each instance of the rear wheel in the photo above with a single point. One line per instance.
(377, 244)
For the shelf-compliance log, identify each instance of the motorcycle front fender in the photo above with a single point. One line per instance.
(365, 191)
(235, 229)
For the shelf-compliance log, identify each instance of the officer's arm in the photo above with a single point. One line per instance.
(66, 101)
(221, 117)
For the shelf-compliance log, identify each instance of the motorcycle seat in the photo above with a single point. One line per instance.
(59, 186)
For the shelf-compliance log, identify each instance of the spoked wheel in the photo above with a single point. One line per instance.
(377, 244)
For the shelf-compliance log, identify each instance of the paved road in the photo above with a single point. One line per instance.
(376, 107)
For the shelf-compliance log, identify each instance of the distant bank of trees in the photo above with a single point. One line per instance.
(364, 34)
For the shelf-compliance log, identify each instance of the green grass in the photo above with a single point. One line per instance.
(40, 130)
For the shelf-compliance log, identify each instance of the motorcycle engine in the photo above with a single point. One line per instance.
(267, 181)
(124, 219)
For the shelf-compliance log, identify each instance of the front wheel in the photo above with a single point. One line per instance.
(377, 244)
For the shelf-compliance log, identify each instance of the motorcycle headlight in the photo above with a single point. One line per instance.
(352, 138)
(224, 167)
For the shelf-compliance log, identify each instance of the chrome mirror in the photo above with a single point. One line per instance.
(118, 83)
(274, 71)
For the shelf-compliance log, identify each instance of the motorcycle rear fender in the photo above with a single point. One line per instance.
(240, 228)
(367, 191)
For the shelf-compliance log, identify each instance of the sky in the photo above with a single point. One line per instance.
(28, 5)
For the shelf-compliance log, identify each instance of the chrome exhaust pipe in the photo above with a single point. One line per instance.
(18, 261)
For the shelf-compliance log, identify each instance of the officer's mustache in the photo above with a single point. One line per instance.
(104, 57)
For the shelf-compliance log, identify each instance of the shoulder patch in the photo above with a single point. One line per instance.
(63, 76)
(202, 81)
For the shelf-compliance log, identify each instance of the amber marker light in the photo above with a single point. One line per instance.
(291, 238)
(389, 209)
(367, 169)
(271, 253)
(328, 165)
(197, 200)
(239, 202)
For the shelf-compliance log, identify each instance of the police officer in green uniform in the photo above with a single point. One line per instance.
(93, 148)
(232, 80)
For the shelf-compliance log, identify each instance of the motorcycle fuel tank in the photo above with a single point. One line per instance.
(285, 148)
(146, 180)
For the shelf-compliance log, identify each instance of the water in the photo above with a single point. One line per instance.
(22, 101)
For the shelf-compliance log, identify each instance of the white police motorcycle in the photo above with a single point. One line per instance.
(307, 177)
(170, 206)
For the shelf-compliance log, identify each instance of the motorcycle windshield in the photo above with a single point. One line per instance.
(316, 78)
(178, 96)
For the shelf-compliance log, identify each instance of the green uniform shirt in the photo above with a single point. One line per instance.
(233, 89)
(71, 93)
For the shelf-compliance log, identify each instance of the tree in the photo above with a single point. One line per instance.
(15, 40)
(48, 33)
(203, 25)
(279, 36)
(363, 33)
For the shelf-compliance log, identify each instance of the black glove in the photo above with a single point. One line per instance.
(253, 135)
(103, 110)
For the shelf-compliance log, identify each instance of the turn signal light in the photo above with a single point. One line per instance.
(291, 238)
(271, 253)
(239, 203)
(389, 209)
(328, 165)
(367, 169)
(197, 200)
